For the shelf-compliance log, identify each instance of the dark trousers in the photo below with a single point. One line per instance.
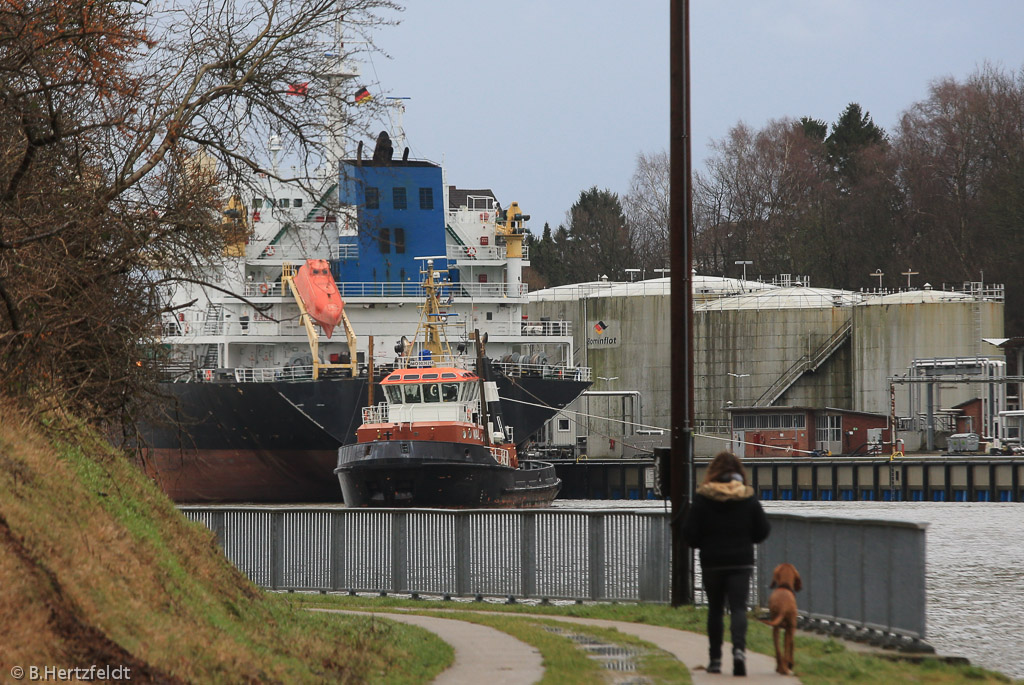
(726, 587)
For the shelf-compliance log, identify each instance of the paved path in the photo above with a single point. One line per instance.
(482, 654)
(478, 648)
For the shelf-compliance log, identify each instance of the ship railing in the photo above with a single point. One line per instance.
(414, 362)
(482, 252)
(412, 291)
(297, 253)
(376, 414)
(569, 373)
(495, 290)
(345, 251)
(542, 327)
(262, 289)
(501, 455)
(272, 374)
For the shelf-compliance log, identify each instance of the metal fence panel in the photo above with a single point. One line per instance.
(858, 574)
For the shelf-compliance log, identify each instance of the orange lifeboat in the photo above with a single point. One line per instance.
(320, 294)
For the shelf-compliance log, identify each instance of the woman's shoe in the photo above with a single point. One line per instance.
(739, 662)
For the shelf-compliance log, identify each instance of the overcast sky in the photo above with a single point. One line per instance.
(540, 99)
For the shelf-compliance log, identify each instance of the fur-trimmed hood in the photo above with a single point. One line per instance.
(724, 492)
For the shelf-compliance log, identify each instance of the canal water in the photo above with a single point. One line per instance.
(975, 570)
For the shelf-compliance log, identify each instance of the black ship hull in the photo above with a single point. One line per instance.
(434, 474)
(278, 441)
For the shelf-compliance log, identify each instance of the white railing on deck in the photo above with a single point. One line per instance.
(501, 456)
(376, 414)
(481, 252)
(278, 373)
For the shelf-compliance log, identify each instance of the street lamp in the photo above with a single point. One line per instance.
(744, 263)
(878, 274)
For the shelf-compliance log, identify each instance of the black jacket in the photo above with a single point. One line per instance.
(725, 522)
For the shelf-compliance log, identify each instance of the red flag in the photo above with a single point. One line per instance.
(298, 88)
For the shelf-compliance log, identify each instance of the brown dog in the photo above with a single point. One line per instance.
(782, 613)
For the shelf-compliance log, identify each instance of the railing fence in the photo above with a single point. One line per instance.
(862, 578)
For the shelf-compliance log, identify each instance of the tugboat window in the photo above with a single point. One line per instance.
(394, 394)
(430, 393)
(412, 394)
(450, 392)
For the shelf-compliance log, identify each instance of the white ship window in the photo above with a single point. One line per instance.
(563, 425)
(470, 391)
(285, 203)
(297, 202)
(394, 394)
(450, 391)
(431, 393)
(412, 394)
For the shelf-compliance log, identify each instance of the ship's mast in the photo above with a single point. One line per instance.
(339, 72)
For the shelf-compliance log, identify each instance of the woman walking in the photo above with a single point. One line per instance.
(725, 522)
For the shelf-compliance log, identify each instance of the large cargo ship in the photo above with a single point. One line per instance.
(258, 400)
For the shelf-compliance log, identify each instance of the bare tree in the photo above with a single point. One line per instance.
(123, 127)
(646, 209)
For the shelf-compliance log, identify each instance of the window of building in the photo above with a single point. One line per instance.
(285, 202)
(398, 199)
(426, 198)
(563, 425)
(830, 429)
(776, 421)
(297, 202)
(384, 240)
(372, 198)
(400, 240)
(257, 203)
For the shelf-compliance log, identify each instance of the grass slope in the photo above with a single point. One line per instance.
(98, 567)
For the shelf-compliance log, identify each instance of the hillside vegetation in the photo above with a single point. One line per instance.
(98, 567)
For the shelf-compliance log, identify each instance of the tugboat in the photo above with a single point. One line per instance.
(438, 439)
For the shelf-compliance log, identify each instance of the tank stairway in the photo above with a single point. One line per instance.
(805, 364)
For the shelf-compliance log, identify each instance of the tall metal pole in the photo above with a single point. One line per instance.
(681, 247)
